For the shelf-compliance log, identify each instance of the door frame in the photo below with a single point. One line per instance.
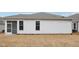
(11, 27)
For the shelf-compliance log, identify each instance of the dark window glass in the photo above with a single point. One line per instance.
(74, 25)
(8, 27)
(37, 25)
(20, 25)
(8, 30)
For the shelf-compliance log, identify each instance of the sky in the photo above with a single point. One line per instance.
(15, 13)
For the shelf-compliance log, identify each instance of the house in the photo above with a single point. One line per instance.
(2, 25)
(75, 22)
(37, 23)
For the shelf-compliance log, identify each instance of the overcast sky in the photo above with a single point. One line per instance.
(14, 13)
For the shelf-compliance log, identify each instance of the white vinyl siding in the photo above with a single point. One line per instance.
(78, 26)
(46, 27)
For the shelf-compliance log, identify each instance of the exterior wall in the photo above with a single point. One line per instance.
(5, 27)
(46, 27)
(78, 26)
(2, 27)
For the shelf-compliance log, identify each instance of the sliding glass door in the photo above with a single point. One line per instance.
(12, 27)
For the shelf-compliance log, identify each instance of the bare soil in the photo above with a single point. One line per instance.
(39, 40)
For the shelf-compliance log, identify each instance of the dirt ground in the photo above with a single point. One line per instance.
(39, 40)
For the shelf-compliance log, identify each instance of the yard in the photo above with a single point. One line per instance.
(39, 40)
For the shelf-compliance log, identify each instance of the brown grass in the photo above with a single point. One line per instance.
(39, 40)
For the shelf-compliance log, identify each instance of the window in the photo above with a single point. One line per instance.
(8, 27)
(37, 25)
(74, 25)
(20, 25)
